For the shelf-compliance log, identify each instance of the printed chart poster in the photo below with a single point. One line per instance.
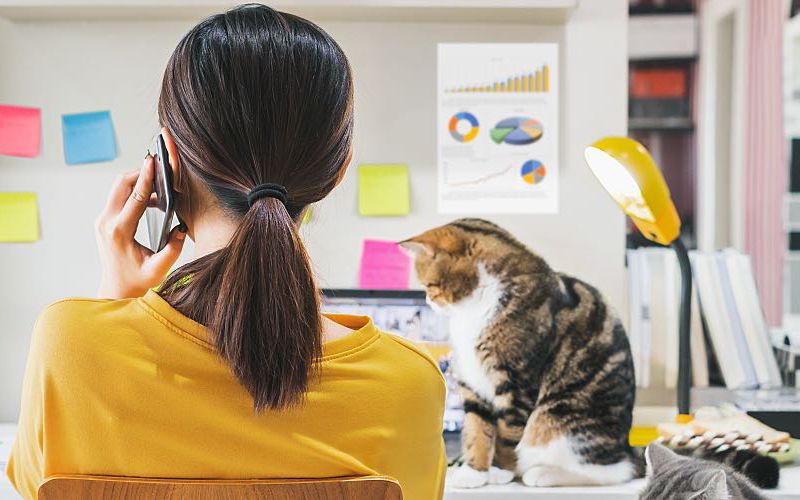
(498, 128)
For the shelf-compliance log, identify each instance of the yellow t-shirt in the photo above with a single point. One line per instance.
(133, 388)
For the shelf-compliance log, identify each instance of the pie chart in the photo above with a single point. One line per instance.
(470, 133)
(518, 131)
(533, 172)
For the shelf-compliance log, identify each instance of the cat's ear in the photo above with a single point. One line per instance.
(414, 248)
(656, 455)
(717, 485)
(441, 239)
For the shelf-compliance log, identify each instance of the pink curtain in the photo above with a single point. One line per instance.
(765, 166)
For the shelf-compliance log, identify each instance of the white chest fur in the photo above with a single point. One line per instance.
(468, 318)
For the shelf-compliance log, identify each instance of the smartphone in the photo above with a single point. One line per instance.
(159, 217)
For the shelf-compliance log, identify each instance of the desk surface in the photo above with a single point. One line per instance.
(789, 487)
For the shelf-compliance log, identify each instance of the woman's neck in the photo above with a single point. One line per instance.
(210, 234)
(213, 231)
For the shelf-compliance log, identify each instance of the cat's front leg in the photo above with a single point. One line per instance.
(477, 442)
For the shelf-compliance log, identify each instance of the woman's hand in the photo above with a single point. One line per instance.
(129, 268)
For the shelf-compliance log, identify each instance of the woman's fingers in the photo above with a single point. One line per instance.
(120, 192)
(138, 199)
(161, 262)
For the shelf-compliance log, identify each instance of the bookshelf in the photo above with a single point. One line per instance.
(663, 53)
(496, 11)
(791, 71)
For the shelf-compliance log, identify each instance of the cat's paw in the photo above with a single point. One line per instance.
(538, 475)
(467, 477)
(500, 476)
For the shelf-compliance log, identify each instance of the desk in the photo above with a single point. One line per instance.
(788, 489)
(7, 432)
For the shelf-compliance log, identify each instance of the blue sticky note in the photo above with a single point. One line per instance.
(88, 137)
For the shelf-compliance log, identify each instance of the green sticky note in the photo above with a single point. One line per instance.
(19, 217)
(383, 190)
(308, 216)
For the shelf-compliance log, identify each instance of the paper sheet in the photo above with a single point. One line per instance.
(384, 266)
(19, 217)
(20, 131)
(383, 190)
(497, 128)
(88, 137)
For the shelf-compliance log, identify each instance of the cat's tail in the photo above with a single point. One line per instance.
(762, 470)
(638, 461)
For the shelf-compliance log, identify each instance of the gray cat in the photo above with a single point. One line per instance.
(671, 476)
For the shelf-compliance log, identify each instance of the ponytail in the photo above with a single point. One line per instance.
(256, 95)
(266, 318)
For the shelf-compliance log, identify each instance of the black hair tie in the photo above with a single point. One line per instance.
(267, 190)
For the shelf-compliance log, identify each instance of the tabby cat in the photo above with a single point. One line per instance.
(672, 476)
(543, 361)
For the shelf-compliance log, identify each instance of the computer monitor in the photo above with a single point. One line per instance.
(407, 314)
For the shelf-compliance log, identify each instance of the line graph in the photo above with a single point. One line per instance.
(481, 180)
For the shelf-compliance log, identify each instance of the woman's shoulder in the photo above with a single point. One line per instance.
(411, 363)
(72, 311)
(67, 324)
(414, 350)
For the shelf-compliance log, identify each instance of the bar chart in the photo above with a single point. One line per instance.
(535, 82)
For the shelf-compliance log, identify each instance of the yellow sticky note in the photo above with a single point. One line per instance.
(19, 217)
(383, 190)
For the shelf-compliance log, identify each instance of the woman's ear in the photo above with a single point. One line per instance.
(174, 159)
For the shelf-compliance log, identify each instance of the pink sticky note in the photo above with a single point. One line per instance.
(384, 266)
(20, 131)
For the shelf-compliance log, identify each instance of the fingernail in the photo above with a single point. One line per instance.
(181, 235)
(182, 228)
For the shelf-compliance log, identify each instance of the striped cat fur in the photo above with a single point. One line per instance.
(543, 361)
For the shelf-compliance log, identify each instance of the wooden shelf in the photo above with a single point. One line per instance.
(665, 124)
(663, 36)
(647, 10)
(477, 11)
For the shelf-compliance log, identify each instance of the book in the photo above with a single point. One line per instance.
(672, 314)
(714, 311)
(634, 329)
(736, 330)
(700, 376)
(639, 316)
(673, 286)
(659, 315)
(753, 324)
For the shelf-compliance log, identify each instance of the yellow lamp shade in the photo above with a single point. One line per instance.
(627, 171)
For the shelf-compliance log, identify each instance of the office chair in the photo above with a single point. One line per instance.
(68, 487)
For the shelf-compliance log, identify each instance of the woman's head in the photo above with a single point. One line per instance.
(253, 96)
(249, 97)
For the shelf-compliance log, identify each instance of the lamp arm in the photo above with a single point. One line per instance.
(684, 331)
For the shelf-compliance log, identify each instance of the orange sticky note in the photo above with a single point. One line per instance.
(20, 131)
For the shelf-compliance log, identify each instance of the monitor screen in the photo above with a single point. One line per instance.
(407, 314)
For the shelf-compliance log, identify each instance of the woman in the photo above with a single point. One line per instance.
(229, 370)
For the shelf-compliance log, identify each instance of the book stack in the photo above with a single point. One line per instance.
(726, 318)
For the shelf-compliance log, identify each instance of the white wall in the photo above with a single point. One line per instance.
(67, 67)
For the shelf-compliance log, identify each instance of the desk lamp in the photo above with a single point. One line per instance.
(627, 171)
